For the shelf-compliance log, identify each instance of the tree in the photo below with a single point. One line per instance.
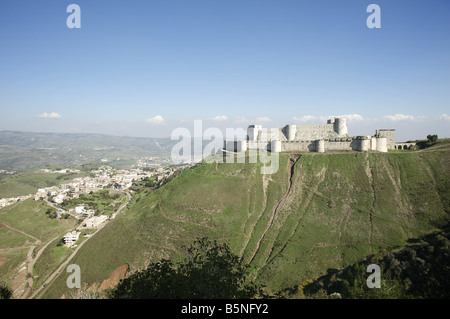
(51, 213)
(210, 271)
(5, 291)
(432, 139)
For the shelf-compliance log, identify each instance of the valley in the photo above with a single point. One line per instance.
(319, 213)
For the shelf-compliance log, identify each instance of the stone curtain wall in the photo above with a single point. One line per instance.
(312, 132)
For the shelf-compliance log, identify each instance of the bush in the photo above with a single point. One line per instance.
(5, 291)
(432, 139)
(210, 271)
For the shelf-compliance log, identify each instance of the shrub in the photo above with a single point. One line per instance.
(210, 271)
(5, 291)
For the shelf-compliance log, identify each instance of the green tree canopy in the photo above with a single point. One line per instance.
(432, 138)
(210, 271)
(5, 291)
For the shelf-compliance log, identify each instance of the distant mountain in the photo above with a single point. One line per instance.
(27, 150)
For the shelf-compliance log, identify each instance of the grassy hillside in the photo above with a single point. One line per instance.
(334, 210)
(22, 227)
(416, 270)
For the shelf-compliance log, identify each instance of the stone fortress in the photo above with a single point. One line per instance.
(321, 138)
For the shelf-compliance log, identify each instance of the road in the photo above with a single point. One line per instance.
(64, 265)
(122, 207)
(30, 261)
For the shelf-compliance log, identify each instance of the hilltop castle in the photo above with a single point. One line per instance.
(321, 138)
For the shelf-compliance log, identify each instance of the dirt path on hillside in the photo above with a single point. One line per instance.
(290, 167)
(22, 232)
(23, 277)
(369, 173)
(31, 262)
(266, 179)
(306, 201)
(60, 269)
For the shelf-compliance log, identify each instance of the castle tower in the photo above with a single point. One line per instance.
(253, 132)
(340, 126)
(373, 144)
(389, 134)
(320, 146)
(363, 143)
(275, 146)
(381, 144)
(291, 130)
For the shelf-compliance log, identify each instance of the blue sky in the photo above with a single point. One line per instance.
(143, 68)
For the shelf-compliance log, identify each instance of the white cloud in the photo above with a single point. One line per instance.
(157, 120)
(445, 117)
(399, 117)
(351, 117)
(263, 119)
(306, 118)
(220, 118)
(51, 115)
(240, 119)
(323, 119)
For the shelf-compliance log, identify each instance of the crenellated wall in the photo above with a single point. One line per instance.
(332, 136)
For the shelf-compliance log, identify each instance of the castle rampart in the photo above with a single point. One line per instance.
(321, 138)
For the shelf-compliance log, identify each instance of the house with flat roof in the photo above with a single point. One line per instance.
(71, 238)
(94, 221)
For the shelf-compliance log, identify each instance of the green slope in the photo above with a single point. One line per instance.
(417, 270)
(334, 210)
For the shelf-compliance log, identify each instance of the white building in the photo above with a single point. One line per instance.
(40, 194)
(3, 202)
(94, 221)
(58, 199)
(88, 213)
(71, 238)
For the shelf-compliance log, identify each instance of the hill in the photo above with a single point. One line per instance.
(416, 270)
(25, 228)
(21, 151)
(318, 212)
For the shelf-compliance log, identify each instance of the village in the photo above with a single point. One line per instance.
(104, 178)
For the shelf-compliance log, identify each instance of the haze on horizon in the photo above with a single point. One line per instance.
(147, 67)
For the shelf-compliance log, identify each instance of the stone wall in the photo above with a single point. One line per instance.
(341, 145)
(311, 132)
(300, 146)
(389, 135)
(313, 138)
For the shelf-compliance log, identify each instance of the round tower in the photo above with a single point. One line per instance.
(291, 130)
(275, 146)
(364, 143)
(320, 146)
(253, 132)
(340, 126)
(381, 144)
(373, 146)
